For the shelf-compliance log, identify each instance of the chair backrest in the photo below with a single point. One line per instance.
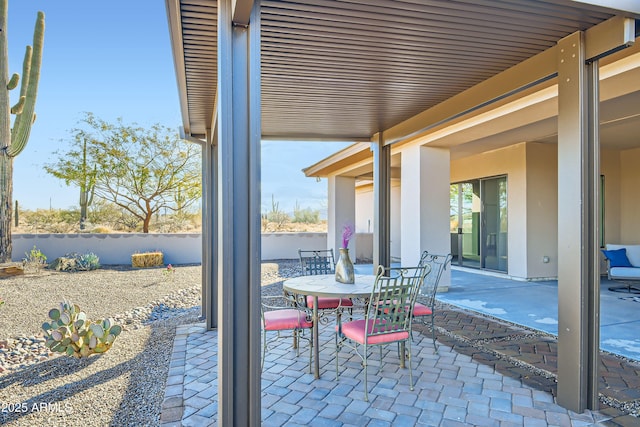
(392, 299)
(438, 264)
(317, 262)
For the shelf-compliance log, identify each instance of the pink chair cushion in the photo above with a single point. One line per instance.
(356, 331)
(328, 302)
(279, 320)
(421, 310)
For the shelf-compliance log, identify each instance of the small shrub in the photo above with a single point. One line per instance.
(71, 333)
(88, 261)
(306, 215)
(76, 262)
(101, 230)
(34, 260)
(147, 259)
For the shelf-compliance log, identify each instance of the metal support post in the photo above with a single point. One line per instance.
(578, 273)
(382, 203)
(238, 251)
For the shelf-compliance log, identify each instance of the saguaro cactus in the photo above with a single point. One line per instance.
(14, 139)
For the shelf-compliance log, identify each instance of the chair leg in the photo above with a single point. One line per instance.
(310, 350)
(410, 366)
(628, 287)
(364, 362)
(433, 334)
(337, 351)
(264, 349)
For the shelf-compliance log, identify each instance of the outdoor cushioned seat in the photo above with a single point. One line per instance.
(421, 310)
(329, 303)
(387, 318)
(357, 332)
(281, 320)
(623, 262)
(281, 314)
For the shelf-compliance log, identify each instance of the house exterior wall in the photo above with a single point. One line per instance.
(541, 210)
(532, 187)
(610, 167)
(364, 214)
(512, 162)
(630, 202)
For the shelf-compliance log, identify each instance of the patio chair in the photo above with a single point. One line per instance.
(387, 319)
(280, 313)
(424, 308)
(315, 262)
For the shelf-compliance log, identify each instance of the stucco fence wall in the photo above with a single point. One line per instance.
(177, 248)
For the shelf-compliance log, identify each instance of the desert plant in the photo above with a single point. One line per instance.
(275, 215)
(88, 261)
(34, 260)
(70, 332)
(14, 139)
(143, 171)
(306, 215)
(76, 262)
(147, 259)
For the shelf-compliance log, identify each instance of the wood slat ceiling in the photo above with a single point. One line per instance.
(347, 69)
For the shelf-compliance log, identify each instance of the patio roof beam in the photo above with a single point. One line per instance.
(612, 35)
(241, 11)
(601, 40)
(528, 73)
(175, 29)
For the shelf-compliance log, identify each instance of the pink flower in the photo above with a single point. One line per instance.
(347, 234)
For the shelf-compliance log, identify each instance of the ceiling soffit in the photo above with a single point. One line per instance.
(348, 69)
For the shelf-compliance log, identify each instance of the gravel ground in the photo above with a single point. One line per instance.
(123, 387)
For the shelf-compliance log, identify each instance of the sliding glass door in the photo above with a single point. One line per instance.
(479, 223)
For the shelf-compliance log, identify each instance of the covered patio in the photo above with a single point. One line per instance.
(487, 371)
(386, 72)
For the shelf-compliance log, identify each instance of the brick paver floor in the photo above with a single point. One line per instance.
(486, 372)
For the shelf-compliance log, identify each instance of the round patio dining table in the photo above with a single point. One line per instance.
(325, 285)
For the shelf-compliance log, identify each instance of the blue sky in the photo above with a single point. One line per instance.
(113, 59)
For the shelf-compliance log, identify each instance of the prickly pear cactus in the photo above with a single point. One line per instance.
(14, 139)
(71, 333)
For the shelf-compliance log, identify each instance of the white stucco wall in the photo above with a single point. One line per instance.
(610, 167)
(364, 215)
(112, 248)
(341, 211)
(542, 208)
(630, 202)
(177, 248)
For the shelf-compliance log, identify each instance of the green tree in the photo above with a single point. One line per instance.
(140, 170)
(78, 168)
(14, 139)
